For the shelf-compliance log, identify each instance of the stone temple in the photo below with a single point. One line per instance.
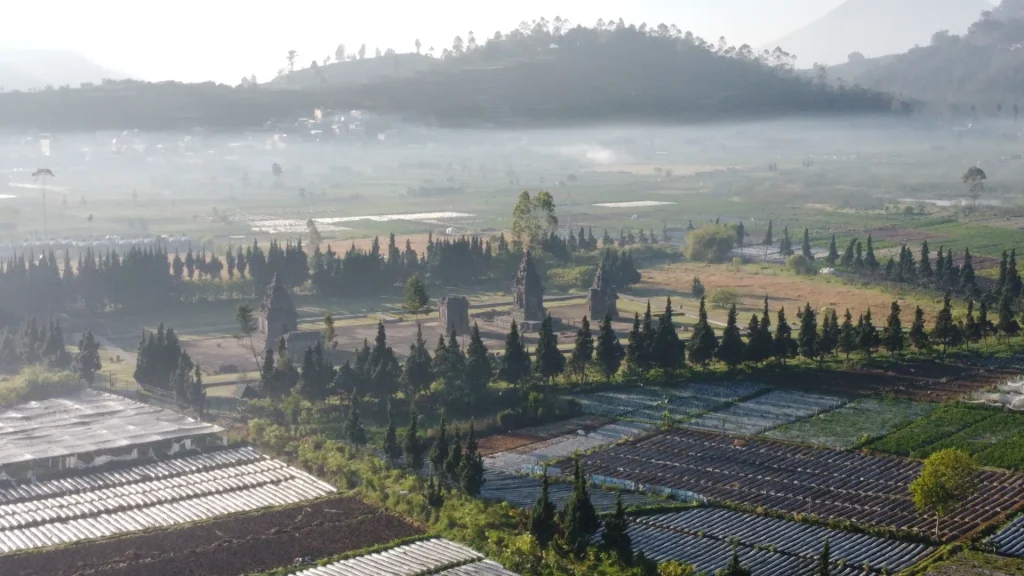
(454, 311)
(277, 314)
(527, 293)
(603, 297)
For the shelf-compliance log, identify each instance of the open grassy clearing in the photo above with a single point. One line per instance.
(854, 424)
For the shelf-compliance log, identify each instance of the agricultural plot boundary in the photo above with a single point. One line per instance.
(870, 491)
(1010, 540)
(682, 403)
(530, 459)
(130, 500)
(791, 538)
(765, 412)
(855, 424)
(523, 491)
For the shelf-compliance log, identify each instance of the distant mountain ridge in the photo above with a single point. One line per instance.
(878, 28)
(22, 69)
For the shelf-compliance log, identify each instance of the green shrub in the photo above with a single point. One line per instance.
(724, 298)
(578, 277)
(800, 264)
(38, 383)
(710, 243)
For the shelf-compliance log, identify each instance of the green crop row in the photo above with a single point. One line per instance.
(914, 440)
(984, 435)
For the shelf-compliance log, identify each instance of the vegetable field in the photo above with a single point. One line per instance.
(790, 538)
(1010, 540)
(868, 490)
(994, 436)
(850, 425)
(523, 491)
(651, 404)
(227, 547)
(536, 454)
(767, 411)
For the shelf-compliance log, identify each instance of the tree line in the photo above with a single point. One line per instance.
(161, 363)
(44, 344)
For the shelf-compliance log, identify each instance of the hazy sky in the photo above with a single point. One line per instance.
(223, 40)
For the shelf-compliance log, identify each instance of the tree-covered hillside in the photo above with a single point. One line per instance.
(978, 74)
(536, 75)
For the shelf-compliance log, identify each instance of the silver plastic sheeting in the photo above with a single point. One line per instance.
(111, 507)
(85, 422)
(426, 557)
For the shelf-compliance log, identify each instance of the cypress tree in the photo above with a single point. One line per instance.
(858, 260)
(647, 333)
(984, 324)
(972, 330)
(416, 371)
(868, 337)
(197, 393)
(583, 351)
(609, 351)
(615, 538)
(918, 334)
(515, 362)
(87, 362)
(703, 342)
(750, 351)
(968, 282)
(666, 351)
(869, 257)
(848, 341)
(354, 431)
(826, 345)
(550, 361)
(392, 449)
(805, 247)
(579, 519)
(807, 338)
(741, 234)
(940, 268)
(1007, 325)
(767, 242)
(439, 451)
(945, 331)
(472, 467)
(731, 349)
(834, 330)
(435, 492)
(786, 245)
(892, 335)
(635, 352)
(1013, 281)
(478, 366)
(783, 343)
(542, 517)
(997, 290)
(847, 260)
(833, 252)
(734, 568)
(924, 265)
(413, 446)
(824, 560)
(453, 464)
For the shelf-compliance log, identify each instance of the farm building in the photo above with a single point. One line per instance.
(90, 429)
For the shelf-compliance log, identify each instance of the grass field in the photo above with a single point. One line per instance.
(972, 563)
(854, 424)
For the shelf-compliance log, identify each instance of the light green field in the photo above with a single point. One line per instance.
(854, 424)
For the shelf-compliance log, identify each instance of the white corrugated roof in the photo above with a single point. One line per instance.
(85, 422)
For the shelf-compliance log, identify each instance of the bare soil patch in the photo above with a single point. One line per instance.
(236, 545)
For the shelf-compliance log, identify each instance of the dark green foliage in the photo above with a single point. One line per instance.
(471, 471)
(197, 393)
(824, 560)
(579, 520)
(807, 339)
(968, 281)
(918, 335)
(667, 352)
(87, 362)
(478, 366)
(158, 357)
(392, 449)
(413, 445)
(731, 349)
(542, 517)
(354, 431)
(984, 324)
(784, 345)
(636, 350)
(416, 298)
(453, 464)
(847, 260)
(869, 256)
(316, 375)
(382, 370)
(697, 288)
(615, 538)
(703, 342)
(417, 373)
(435, 492)
(848, 337)
(924, 265)
(583, 351)
(868, 339)
(550, 361)
(946, 332)
(892, 335)
(1007, 324)
(609, 350)
(805, 247)
(833, 252)
(768, 240)
(829, 337)
(515, 362)
(54, 352)
(786, 244)
(972, 329)
(858, 259)
(439, 450)
(733, 568)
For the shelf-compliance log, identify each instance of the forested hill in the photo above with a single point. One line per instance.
(528, 77)
(983, 70)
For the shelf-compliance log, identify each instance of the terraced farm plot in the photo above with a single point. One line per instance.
(154, 495)
(869, 490)
(1010, 540)
(788, 538)
(534, 434)
(226, 547)
(848, 426)
(441, 557)
(536, 454)
(767, 411)
(523, 491)
(650, 404)
(978, 564)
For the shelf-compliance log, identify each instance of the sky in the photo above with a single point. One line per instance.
(223, 40)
